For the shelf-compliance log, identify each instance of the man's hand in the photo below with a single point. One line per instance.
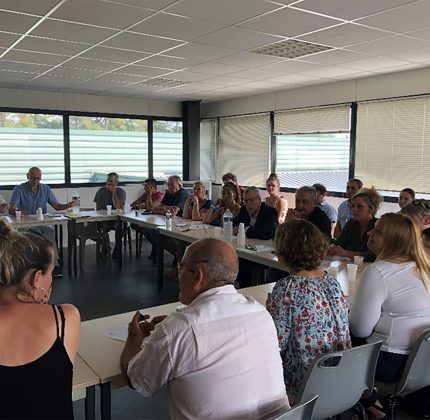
(111, 188)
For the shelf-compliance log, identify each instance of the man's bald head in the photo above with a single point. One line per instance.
(34, 175)
(217, 258)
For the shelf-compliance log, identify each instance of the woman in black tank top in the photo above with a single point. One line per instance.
(37, 342)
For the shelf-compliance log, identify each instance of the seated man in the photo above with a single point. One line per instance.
(260, 220)
(31, 195)
(151, 198)
(221, 345)
(173, 201)
(306, 208)
(324, 205)
(115, 196)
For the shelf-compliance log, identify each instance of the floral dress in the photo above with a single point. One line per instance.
(311, 318)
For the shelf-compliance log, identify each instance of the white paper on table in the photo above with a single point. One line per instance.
(119, 333)
(264, 248)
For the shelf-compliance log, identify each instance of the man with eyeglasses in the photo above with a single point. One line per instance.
(112, 195)
(173, 201)
(31, 195)
(219, 356)
(259, 219)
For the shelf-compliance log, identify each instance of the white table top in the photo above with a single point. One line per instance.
(83, 377)
(28, 220)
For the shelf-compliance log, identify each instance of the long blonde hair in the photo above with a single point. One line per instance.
(403, 243)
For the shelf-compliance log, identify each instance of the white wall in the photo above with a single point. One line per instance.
(411, 82)
(17, 98)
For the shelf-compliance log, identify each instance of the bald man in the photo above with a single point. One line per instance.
(31, 195)
(221, 345)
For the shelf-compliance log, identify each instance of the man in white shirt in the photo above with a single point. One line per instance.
(219, 356)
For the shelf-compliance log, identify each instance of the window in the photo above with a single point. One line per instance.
(312, 145)
(167, 148)
(243, 148)
(28, 140)
(208, 133)
(393, 146)
(99, 145)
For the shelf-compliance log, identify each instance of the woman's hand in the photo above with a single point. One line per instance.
(339, 251)
(269, 301)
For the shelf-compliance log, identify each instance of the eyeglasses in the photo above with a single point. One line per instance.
(181, 266)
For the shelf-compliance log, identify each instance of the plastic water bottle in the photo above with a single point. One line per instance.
(169, 220)
(228, 225)
(39, 213)
(75, 199)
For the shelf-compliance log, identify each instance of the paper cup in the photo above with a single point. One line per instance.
(352, 272)
(18, 215)
(108, 210)
(359, 260)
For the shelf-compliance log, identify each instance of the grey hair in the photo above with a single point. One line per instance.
(218, 268)
(252, 188)
(307, 189)
(177, 178)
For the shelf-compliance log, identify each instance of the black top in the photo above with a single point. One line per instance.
(320, 219)
(41, 389)
(178, 199)
(265, 225)
(350, 239)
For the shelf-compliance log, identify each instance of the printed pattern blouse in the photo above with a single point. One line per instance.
(311, 318)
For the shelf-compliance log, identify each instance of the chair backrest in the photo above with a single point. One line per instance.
(301, 411)
(416, 373)
(339, 379)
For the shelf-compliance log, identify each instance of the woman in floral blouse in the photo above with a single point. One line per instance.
(308, 307)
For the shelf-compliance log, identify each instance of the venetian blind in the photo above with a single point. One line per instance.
(208, 132)
(243, 148)
(393, 144)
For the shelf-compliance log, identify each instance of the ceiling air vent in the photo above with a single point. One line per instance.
(290, 49)
(160, 82)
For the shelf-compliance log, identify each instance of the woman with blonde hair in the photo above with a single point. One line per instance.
(274, 198)
(38, 342)
(197, 204)
(308, 307)
(352, 240)
(392, 302)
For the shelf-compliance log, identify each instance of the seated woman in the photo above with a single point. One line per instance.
(275, 199)
(419, 211)
(308, 307)
(38, 342)
(392, 301)
(196, 205)
(230, 198)
(353, 238)
(406, 196)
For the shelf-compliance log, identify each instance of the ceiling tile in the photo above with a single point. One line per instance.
(288, 22)
(249, 60)
(96, 12)
(16, 75)
(72, 32)
(200, 52)
(222, 11)
(54, 82)
(402, 19)
(35, 57)
(423, 33)
(212, 67)
(350, 9)
(35, 7)
(344, 35)
(51, 46)
(189, 76)
(114, 54)
(7, 39)
(178, 27)
(118, 77)
(14, 22)
(238, 39)
(390, 44)
(228, 80)
(25, 67)
(293, 78)
(256, 74)
(417, 55)
(330, 72)
(73, 72)
(167, 62)
(150, 4)
(91, 64)
(139, 42)
(375, 64)
(335, 57)
(142, 71)
(289, 66)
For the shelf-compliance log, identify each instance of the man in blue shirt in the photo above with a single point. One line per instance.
(31, 195)
(324, 205)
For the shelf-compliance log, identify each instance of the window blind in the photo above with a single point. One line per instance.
(243, 148)
(393, 144)
(208, 133)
